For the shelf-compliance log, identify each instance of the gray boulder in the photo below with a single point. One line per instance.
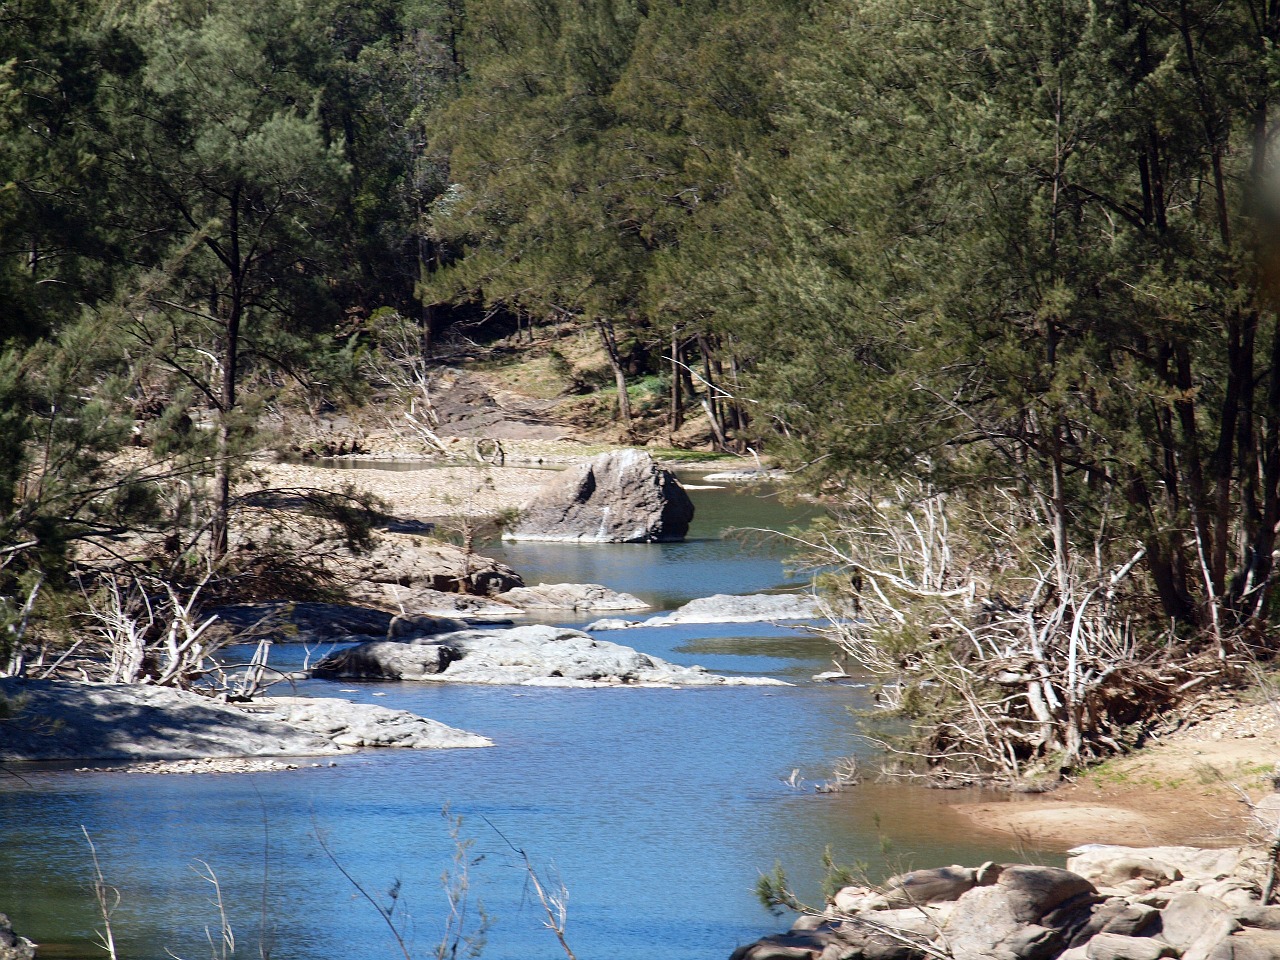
(57, 720)
(394, 659)
(532, 655)
(751, 608)
(1195, 924)
(1248, 945)
(354, 725)
(1029, 913)
(1114, 946)
(938, 884)
(590, 597)
(1101, 862)
(12, 946)
(621, 497)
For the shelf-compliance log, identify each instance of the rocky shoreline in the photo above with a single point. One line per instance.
(1110, 903)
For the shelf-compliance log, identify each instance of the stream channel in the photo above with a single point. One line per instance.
(657, 809)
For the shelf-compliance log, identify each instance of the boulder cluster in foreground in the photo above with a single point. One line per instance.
(1111, 903)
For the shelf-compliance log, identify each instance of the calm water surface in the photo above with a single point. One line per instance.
(658, 809)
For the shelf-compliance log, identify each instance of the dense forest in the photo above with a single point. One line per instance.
(997, 278)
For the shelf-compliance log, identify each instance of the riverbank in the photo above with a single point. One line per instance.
(1188, 787)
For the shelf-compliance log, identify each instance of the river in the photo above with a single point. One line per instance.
(657, 809)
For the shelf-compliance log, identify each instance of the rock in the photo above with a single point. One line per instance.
(56, 720)
(421, 625)
(1022, 916)
(930, 886)
(1133, 920)
(833, 941)
(1093, 861)
(1264, 918)
(601, 626)
(1116, 915)
(1122, 868)
(1196, 924)
(541, 655)
(12, 946)
(1239, 895)
(621, 497)
(439, 603)
(367, 725)
(1113, 946)
(572, 596)
(926, 920)
(1035, 891)
(399, 562)
(857, 899)
(388, 660)
(1248, 945)
(752, 608)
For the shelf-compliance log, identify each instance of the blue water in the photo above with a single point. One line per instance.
(658, 809)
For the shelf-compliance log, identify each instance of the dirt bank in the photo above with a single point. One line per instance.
(1187, 788)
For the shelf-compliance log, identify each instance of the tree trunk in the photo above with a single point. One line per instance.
(219, 532)
(676, 418)
(610, 341)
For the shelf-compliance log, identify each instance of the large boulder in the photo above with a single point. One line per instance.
(621, 497)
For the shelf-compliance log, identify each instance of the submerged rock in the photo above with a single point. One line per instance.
(621, 497)
(539, 655)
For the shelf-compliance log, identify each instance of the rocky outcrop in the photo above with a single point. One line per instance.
(1111, 903)
(585, 597)
(726, 608)
(12, 946)
(57, 720)
(621, 497)
(354, 725)
(397, 562)
(533, 655)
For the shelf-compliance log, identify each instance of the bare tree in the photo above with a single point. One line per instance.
(1008, 664)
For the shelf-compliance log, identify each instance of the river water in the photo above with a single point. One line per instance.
(657, 809)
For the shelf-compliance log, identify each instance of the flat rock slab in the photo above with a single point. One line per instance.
(620, 497)
(532, 655)
(587, 597)
(727, 608)
(54, 720)
(355, 725)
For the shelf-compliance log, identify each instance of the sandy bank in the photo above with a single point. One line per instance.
(1187, 789)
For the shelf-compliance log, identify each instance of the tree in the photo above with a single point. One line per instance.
(1015, 243)
(233, 182)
